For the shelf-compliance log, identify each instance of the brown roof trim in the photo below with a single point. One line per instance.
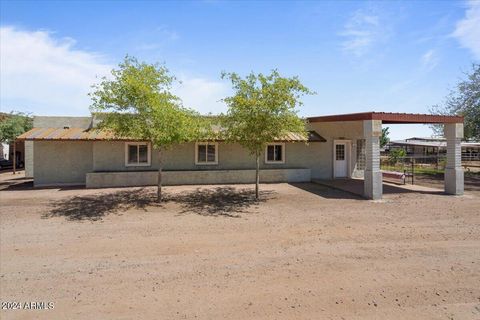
(389, 118)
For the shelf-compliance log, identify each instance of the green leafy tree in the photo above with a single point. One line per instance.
(12, 125)
(261, 110)
(137, 103)
(464, 100)
(384, 139)
(395, 155)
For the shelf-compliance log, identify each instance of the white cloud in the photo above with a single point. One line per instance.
(429, 60)
(202, 94)
(153, 39)
(44, 75)
(467, 30)
(167, 33)
(49, 76)
(361, 32)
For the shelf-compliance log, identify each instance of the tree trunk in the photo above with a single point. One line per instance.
(14, 157)
(257, 175)
(159, 181)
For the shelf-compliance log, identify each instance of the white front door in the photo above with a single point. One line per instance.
(341, 162)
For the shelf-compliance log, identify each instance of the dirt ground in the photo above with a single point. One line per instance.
(303, 252)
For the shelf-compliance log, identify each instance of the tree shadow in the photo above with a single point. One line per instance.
(214, 202)
(219, 201)
(95, 207)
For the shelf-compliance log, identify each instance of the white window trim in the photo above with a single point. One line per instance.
(149, 154)
(206, 163)
(283, 153)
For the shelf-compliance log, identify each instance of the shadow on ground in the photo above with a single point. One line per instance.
(324, 191)
(219, 201)
(471, 180)
(16, 184)
(95, 207)
(355, 187)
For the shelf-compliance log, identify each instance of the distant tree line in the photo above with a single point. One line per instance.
(463, 100)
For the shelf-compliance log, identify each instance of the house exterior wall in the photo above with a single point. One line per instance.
(62, 162)
(149, 178)
(50, 122)
(340, 130)
(316, 156)
(68, 162)
(29, 159)
(60, 122)
(110, 156)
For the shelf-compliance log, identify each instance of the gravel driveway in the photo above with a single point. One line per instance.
(212, 252)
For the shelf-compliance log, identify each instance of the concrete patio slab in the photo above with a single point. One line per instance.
(355, 186)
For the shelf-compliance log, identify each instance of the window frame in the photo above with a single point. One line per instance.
(206, 163)
(282, 144)
(138, 164)
(343, 153)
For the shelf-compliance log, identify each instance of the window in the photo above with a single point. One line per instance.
(206, 153)
(275, 153)
(361, 154)
(137, 154)
(339, 152)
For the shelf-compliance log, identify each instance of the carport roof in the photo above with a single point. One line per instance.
(389, 118)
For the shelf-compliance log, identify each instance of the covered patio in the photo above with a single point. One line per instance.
(355, 186)
(372, 130)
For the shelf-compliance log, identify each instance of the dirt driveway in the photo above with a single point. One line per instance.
(304, 252)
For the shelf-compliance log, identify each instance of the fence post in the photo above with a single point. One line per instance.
(14, 156)
(413, 169)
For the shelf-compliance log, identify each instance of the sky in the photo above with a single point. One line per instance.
(357, 56)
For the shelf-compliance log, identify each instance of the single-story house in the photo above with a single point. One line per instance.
(64, 151)
(432, 147)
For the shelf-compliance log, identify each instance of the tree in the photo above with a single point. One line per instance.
(261, 110)
(395, 155)
(384, 139)
(137, 103)
(463, 100)
(11, 126)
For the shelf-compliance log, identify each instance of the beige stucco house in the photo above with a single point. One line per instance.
(63, 151)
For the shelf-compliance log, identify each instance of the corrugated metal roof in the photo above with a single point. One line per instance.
(440, 144)
(69, 134)
(79, 134)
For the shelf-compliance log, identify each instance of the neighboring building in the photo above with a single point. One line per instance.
(71, 151)
(4, 150)
(431, 147)
(19, 152)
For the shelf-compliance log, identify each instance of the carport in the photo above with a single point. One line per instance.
(372, 130)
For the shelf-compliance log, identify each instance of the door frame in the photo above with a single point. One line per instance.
(348, 155)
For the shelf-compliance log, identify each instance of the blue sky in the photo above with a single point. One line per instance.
(357, 56)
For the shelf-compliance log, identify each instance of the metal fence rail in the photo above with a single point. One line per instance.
(421, 165)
